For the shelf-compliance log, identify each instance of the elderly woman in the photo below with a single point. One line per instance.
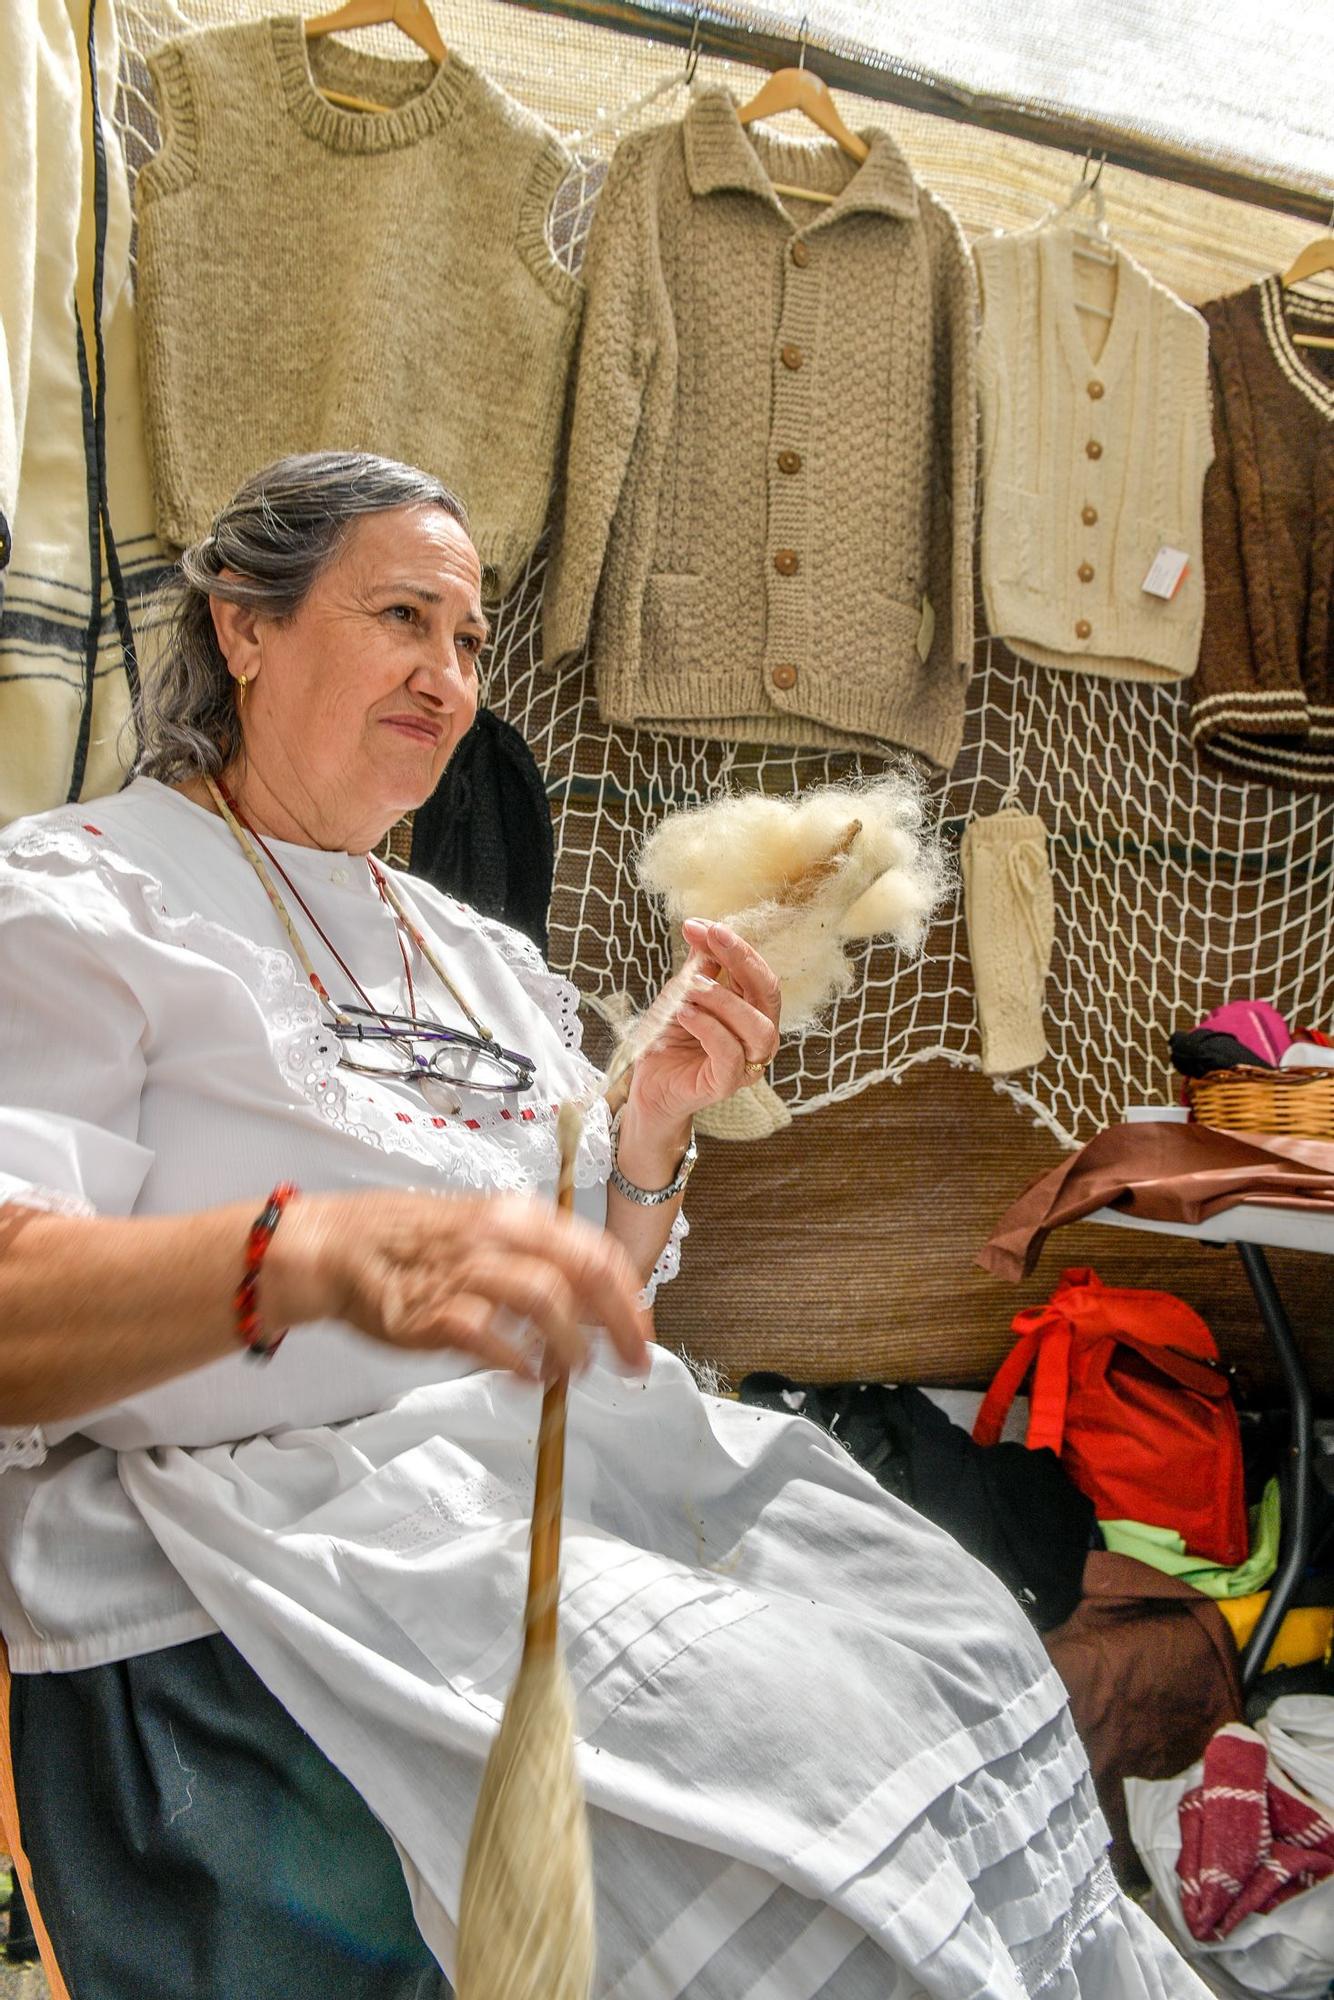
(262, 1618)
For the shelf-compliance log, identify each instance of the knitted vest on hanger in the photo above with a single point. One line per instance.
(313, 278)
(1090, 465)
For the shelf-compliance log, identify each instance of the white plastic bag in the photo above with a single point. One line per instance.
(1299, 1730)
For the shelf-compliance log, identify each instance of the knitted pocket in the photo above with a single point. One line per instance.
(1010, 912)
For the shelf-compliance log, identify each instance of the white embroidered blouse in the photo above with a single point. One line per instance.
(160, 1052)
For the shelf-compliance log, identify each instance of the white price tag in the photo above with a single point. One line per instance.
(1166, 573)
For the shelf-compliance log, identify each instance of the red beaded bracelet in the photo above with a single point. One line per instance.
(248, 1324)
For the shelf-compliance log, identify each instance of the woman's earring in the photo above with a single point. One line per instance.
(240, 698)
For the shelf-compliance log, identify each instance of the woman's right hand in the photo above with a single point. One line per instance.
(449, 1271)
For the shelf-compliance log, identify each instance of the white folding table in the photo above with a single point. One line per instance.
(1254, 1227)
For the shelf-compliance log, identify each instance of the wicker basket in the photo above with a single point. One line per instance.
(1296, 1103)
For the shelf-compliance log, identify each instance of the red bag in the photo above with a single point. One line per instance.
(1128, 1391)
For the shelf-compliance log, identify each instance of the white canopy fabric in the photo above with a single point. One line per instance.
(1241, 83)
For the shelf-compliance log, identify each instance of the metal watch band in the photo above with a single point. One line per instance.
(650, 1197)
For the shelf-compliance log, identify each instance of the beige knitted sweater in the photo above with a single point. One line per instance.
(312, 277)
(1096, 436)
(768, 507)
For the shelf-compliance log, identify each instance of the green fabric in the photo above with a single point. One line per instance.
(1163, 1548)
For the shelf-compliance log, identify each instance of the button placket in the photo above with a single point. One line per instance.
(1090, 460)
(788, 550)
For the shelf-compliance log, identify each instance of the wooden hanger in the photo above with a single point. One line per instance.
(1308, 263)
(413, 17)
(799, 90)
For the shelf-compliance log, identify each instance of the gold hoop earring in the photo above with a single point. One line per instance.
(240, 697)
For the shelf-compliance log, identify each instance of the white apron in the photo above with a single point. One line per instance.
(824, 1752)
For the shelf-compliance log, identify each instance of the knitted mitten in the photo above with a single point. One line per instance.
(1010, 912)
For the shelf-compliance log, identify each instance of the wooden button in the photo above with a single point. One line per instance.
(784, 677)
(1093, 448)
(1085, 572)
(1083, 630)
(786, 562)
(789, 461)
(801, 255)
(791, 357)
(1089, 516)
(1096, 391)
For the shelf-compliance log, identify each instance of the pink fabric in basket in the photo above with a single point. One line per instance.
(1256, 1024)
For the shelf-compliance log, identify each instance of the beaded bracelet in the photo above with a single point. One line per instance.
(248, 1324)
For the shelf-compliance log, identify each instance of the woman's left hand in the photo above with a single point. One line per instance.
(722, 1040)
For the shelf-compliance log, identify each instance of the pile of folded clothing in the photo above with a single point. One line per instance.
(1249, 1034)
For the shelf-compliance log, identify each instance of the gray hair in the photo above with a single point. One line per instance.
(273, 538)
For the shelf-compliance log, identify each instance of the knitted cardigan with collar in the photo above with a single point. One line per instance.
(312, 277)
(1090, 466)
(1262, 703)
(768, 504)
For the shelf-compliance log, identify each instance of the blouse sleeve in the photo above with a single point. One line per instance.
(71, 1058)
(72, 1037)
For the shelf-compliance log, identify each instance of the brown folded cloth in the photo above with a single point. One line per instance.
(1151, 1671)
(1166, 1172)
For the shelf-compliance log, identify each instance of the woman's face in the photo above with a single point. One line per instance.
(354, 705)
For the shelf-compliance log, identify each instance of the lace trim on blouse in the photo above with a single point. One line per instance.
(669, 1262)
(509, 1150)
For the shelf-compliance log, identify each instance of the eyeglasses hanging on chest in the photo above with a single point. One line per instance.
(407, 1047)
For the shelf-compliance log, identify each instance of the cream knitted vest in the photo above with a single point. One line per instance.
(1090, 465)
(312, 277)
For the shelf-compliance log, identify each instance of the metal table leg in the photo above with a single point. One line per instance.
(1296, 1543)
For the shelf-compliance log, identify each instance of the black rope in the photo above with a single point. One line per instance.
(101, 540)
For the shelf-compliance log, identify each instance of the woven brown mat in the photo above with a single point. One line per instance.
(842, 1248)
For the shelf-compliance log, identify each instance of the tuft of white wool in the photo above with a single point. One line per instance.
(742, 860)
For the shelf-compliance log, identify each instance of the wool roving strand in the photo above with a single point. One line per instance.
(526, 1927)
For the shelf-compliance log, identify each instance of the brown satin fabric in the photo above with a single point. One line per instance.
(1151, 1671)
(1166, 1172)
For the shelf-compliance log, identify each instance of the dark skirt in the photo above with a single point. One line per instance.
(189, 1842)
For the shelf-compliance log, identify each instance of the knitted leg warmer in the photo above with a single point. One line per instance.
(1010, 913)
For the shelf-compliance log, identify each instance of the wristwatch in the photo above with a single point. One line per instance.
(650, 1197)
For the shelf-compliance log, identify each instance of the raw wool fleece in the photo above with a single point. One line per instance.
(732, 861)
(1089, 466)
(773, 446)
(312, 277)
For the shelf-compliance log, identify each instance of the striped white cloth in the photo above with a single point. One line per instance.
(74, 484)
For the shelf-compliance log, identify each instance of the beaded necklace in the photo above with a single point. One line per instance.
(257, 852)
